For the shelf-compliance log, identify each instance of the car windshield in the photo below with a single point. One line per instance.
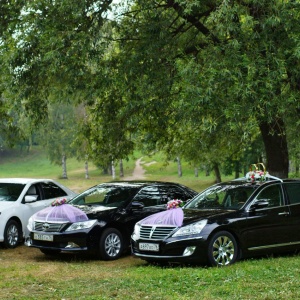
(105, 195)
(10, 191)
(222, 197)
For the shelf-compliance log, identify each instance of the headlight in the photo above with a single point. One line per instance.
(191, 229)
(136, 232)
(81, 225)
(30, 224)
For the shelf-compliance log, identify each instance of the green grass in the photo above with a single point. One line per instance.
(26, 273)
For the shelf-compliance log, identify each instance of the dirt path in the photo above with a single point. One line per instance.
(138, 172)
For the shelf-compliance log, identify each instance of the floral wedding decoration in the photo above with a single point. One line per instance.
(175, 203)
(59, 201)
(60, 211)
(257, 172)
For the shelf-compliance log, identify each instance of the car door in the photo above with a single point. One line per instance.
(149, 199)
(292, 190)
(267, 227)
(42, 194)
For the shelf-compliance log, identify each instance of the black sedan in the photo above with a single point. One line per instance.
(226, 222)
(101, 219)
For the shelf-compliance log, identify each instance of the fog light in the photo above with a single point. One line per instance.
(72, 245)
(189, 250)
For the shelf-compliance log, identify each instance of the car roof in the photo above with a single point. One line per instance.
(138, 183)
(23, 180)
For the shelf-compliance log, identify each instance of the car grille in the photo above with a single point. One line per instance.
(48, 227)
(155, 232)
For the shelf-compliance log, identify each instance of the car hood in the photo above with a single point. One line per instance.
(95, 211)
(194, 215)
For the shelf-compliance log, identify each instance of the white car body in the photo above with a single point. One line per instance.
(20, 210)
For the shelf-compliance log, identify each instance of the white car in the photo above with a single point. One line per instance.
(20, 198)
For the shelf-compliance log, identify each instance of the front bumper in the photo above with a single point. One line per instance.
(189, 250)
(81, 240)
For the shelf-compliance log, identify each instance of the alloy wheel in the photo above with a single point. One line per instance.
(223, 249)
(112, 245)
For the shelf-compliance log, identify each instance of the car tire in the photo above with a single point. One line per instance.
(50, 251)
(12, 234)
(222, 249)
(111, 244)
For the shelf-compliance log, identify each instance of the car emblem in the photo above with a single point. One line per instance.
(46, 226)
(152, 231)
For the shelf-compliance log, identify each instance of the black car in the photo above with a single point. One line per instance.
(226, 222)
(101, 219)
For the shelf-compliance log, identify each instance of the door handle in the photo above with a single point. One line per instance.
(285, 213)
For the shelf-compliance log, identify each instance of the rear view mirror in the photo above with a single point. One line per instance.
(164, 199)
(137, 205)
(262, 203)
(30, 198)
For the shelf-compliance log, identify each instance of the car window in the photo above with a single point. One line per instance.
(94, 195)
(273, 194)
(170, 192)
(51, 190)
(105, 195)
(10, 191)
(117, 196)
(210, 198)
(222, 196)
(293, 191)
(236, 197)
(149, 196)
(34, 191)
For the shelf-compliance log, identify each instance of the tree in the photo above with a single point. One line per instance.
(226, 61)
(167, 73)
(58, 135)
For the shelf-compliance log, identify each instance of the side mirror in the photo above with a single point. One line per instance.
(30, 198)
(137, 205)
(262, 203)
(164, 199)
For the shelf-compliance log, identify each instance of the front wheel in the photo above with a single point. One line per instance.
(12, 234)
(222, 249)
(111, 244)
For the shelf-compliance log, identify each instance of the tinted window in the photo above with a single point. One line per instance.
(51, 190)
(273, 194)
(293, 191)
(105, 195)
(171, 192)
(149, 196)
(10, 191)
(222, 196)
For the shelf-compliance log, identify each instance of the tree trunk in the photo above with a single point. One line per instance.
(86, 167)
(237, 170)
(64, 167)
(179, 166)
(217, 172)
(274, 137)
(121, 168)
(113, 170)
(196, 172)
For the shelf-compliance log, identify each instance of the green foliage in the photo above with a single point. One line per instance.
(203, 80)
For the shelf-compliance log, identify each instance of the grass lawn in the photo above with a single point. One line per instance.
(26, 273)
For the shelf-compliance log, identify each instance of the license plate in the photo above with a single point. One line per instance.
(149, 247)
(43, 237)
